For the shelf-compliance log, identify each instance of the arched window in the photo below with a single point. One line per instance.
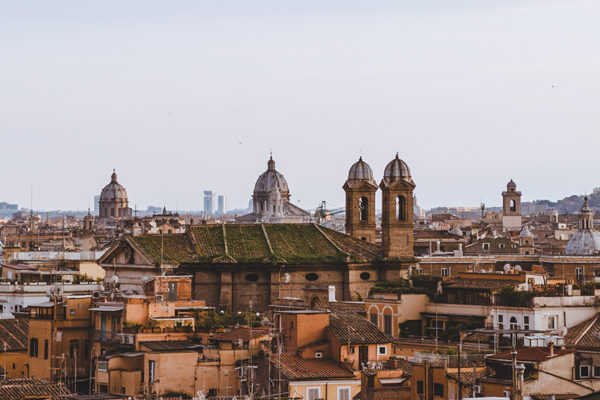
(400, 208)
(513, 205)
(363, 208)
(513, 323)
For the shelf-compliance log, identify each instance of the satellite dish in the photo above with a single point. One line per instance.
(115, 279)
(288, 278)
(563, 331)
(506, 267)
(58, 290)
(145, 279)
(517, 267)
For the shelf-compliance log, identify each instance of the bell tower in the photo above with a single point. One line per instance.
(397, 223)
(511, 208)
(360, 188)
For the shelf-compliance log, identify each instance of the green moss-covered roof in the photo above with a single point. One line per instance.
(170, 249)
(256, 243)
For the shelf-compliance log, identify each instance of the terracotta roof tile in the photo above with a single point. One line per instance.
(13, 389)
(296, 368)
(170, 345)
(13, 332)
(585, 335)
(349, 327)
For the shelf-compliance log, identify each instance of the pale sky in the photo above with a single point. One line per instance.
(186, 96)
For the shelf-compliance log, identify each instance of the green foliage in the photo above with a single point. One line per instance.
(421, 284)
(131, 325)
(510, 297)
(217, 320)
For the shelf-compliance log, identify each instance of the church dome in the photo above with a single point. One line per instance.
(271, 180)
(583, 243)
(113, 191)
(525, 233)
(396, 170)
(586, 241)
(361, 171)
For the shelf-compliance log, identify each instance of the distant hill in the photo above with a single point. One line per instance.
(568, 205)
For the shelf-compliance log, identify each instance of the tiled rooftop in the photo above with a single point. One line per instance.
(13, 332)
(257, 243)
(296, 368)
(350, 328)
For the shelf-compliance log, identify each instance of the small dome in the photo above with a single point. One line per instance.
(456, 231)
(583, 243)
(113, 191)
(525, 233)
(511, 184)
(271, 180)
(361, 171)
(396, 170)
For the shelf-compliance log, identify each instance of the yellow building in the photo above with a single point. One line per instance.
(59, 340)
(13, 348)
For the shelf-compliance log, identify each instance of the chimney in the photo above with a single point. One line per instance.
(551, 348)
(331, 294)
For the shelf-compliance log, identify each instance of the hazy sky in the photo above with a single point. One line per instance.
(185, 96)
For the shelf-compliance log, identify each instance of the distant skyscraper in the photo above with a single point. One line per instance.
(209, 202)
(96, 205)
(222, 208)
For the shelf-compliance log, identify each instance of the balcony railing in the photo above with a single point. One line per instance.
(123, 339)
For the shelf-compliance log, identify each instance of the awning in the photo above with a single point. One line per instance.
(107, 308)
(391, 381)
(128, 354)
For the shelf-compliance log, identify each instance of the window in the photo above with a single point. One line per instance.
(71, 311)
(444, 271)
(485, 246)
(318, 354)
(46, 349)
(382, 350)
(172, 291)
(513, 323)
(311, 277)
(552, 322)
(579, 273)
(343, 393)
(313, 393)
(596, 272)
(526, 322)
(506, 394)
(151, 370)
(363, 209)
(251, 277)
(352, 350)
(400, 208)
(584, 371)
(365, 276)
(74, 348)
(595, 369)
(33, 347)
(86, 349)
(501, 245)
(513, 205)
(102, 388)
(500, 322)
(387, 324)
(419, 387)
(374, 319)
(102, 365)
(438, 390)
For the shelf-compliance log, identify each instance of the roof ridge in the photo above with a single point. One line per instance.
(329, 239)
(264, 231)
(131, 242)
(225, 239)
(586, 330)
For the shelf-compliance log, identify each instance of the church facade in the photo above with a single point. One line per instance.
(233, 264)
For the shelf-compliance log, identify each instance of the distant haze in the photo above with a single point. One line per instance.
(187, 96)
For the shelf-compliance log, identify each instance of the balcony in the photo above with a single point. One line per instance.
(123, 339)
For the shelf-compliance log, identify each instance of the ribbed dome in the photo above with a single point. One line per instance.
(396, 170)
(113, 191)
(583, 243)
(271, 180)
(511, 184)
(525, 233)
(361, 171)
